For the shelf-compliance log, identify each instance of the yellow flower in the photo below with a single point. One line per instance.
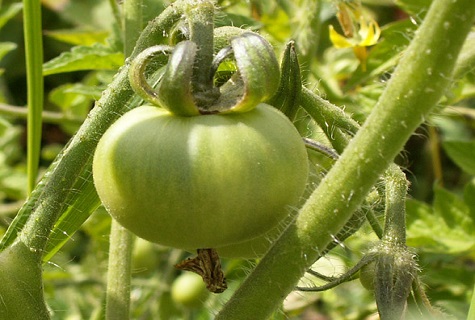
(360, 31)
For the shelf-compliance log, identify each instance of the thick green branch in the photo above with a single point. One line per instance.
(416, 86)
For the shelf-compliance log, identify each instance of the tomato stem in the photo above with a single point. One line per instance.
(200, 16)
(409, 97)
(122, 240)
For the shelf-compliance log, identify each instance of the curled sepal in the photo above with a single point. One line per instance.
(174, 90)
(287, 96)
(258, 74)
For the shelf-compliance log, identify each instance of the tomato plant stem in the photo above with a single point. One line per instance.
(118, 273)
(418, 83)
(395, 212)
(132, 22)
(395, 266)
(122, 240)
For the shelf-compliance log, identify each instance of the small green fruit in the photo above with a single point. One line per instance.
(189, 290)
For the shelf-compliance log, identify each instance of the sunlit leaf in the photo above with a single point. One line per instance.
(78, 37)
(429, 231)
(96, 57)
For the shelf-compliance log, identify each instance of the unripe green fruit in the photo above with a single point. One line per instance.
(367, 276)
(144, 257)
(189, 290)
(203, 181)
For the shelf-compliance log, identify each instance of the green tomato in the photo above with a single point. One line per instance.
(144, 257)
(189, 290)
(200, 182)
(367, 276)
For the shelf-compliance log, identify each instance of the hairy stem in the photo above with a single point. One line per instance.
(200, 15)
(118, 273)
(122, 240)
(416, 86)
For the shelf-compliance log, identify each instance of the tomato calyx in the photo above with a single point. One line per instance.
(256, 78)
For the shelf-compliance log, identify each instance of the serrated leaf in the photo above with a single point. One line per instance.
(78, 37)
(429, 231)
(96, 57)
(453, 210)
(462, 153)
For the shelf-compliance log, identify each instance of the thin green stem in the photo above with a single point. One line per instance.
(118, 273)
(416, 86)
(331, 119)
(47, 116)
(395, 212)
(132, 22)
(374, 223)
(121, 239)
(200, 17)
(116, 13)
(307, 31)
(34, 65)
(435, 155)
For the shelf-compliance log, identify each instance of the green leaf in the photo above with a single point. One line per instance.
(72, 104)
(96, 57)
(453, 210)
(6, 47)
(462, 153)
(8, 12)
(78, 37)
(430, 231)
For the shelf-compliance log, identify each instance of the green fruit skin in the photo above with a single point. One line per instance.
(189, 290)
(144, 258)
(21, 288)
(367, 276)
(200, 182)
